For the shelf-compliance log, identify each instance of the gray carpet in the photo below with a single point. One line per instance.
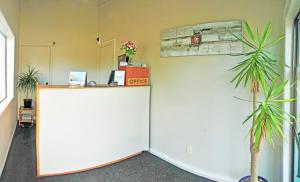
(21, 167)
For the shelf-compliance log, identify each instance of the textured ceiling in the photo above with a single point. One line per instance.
(100, 2)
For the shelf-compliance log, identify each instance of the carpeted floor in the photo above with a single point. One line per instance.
(21, 167)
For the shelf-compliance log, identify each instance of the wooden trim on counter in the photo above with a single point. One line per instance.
(37, 130)
(87, 169)
(84, 87)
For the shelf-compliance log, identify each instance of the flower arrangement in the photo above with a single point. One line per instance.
(129, 48)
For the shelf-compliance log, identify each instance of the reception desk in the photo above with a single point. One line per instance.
(78, 129)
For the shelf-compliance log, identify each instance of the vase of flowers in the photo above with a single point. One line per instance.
(129, 49)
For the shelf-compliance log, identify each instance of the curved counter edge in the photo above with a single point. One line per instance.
(142, 132)
(91, 168)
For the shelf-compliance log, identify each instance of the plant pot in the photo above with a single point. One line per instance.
(27, 103)
(247, 178)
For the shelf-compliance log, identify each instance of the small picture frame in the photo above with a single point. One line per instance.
(122, 60)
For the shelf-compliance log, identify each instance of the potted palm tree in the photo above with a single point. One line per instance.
(258, 70)
(27, 83)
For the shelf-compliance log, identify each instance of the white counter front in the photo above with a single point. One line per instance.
(79, 129)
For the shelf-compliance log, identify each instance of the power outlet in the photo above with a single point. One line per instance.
(189, 150)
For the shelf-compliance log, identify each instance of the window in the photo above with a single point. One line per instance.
(295, 93)
(3, 85)
(7, 56)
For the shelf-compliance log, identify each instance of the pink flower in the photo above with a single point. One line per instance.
(129, 45)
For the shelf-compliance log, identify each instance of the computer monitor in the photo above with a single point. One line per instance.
(78, 78)
(111, 77)
(117, 76)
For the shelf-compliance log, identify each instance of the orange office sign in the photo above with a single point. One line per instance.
(137, 81)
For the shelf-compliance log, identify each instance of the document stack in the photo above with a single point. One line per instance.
(26, 116)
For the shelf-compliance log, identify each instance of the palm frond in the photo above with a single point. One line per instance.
(257, 65)
(270, 116)
(27, 80)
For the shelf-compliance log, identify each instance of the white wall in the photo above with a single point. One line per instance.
(8, 119)
(72, 24)
(191, 102)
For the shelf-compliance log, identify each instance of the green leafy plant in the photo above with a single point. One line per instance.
(27, 81)
(259, 70)
(129, 49)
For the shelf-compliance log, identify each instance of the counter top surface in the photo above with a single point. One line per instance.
(84, 87)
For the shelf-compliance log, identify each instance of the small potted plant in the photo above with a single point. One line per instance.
(259, 71)
(27, 83)
(129, 49)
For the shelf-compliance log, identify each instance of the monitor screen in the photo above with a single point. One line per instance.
(77, 78)
(117, 76)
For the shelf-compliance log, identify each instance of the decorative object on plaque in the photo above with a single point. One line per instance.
(213, 38)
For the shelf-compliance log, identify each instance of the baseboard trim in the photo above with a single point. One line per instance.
(7, 150)
(186, 167)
